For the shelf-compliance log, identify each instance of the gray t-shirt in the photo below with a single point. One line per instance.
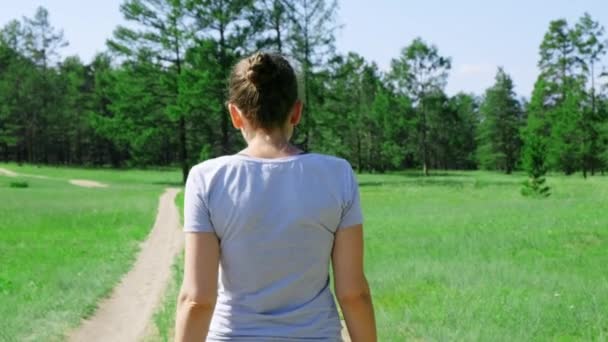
(276, 220)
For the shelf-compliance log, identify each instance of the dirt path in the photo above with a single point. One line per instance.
(8, 173)
(87, 183)
(125, 315)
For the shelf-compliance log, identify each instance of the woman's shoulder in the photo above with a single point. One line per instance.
(224, 163)
(210, 166)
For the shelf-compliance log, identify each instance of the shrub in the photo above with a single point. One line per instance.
(18, 184)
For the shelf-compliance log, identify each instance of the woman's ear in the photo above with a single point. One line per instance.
(296, 113)
(235, 116)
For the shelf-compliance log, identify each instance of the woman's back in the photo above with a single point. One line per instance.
(275, 220)
(261, 230)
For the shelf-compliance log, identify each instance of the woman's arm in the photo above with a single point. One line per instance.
(198, 294)
(351, 285)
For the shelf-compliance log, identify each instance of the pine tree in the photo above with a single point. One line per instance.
(535, 151)
(139, 124)
(389, 112)
(274, 17)
(420, 72)
(72, 134)
(499, 140)
(535, 136)
(42, 45)
(463, 139)
(104, 149)
(311, 43)
(13, 67)
(228, 27)
(591, 47)
(162, 38)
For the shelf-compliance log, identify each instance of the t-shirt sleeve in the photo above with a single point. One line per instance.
(196, 211)
(351, 209)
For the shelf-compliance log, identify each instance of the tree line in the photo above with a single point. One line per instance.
(156, 96)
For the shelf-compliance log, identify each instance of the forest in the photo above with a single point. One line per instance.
(156, 96)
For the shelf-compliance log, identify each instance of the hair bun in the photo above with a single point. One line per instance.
(262, 69)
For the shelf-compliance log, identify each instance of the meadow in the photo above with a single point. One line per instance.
(63, 247)
(457, 256)
(463, 256)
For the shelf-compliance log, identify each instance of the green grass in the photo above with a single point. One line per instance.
(63, 247)
(463, 256)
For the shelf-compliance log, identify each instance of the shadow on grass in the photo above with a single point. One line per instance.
(455, 180)
(419, 174)
(418, 182)
(163, 183)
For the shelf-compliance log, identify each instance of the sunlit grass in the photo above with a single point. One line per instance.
(63, 247)
(463, 256)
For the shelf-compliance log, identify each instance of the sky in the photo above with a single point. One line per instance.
(479, 35)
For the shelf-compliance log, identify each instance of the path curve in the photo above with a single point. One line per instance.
(85, 183)
(126, 314)
(7, 173)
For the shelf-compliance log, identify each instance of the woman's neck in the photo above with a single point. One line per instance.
(262, 144)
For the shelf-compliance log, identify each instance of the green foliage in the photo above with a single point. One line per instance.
(536, 139)
(227, 31)
(421, 73)
(205, 153)
(498, 135)
(157, 97)
(568, 68)
(463, 131)
(591, 46)
(19, 184)
(311, 42)
(564, 151)
(159, 46)
(346, 119)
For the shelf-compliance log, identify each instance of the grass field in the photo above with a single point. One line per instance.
(463, 256)
(62, 247)
(458, 256)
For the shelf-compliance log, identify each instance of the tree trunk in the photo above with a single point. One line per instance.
(359, 162)
(183, 150)
(224, 65)
(425, 151)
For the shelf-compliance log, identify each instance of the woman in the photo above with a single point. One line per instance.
(271, 218)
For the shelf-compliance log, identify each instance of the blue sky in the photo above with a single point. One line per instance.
(478, 35)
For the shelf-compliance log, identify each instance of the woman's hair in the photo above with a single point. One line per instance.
(264, 87)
